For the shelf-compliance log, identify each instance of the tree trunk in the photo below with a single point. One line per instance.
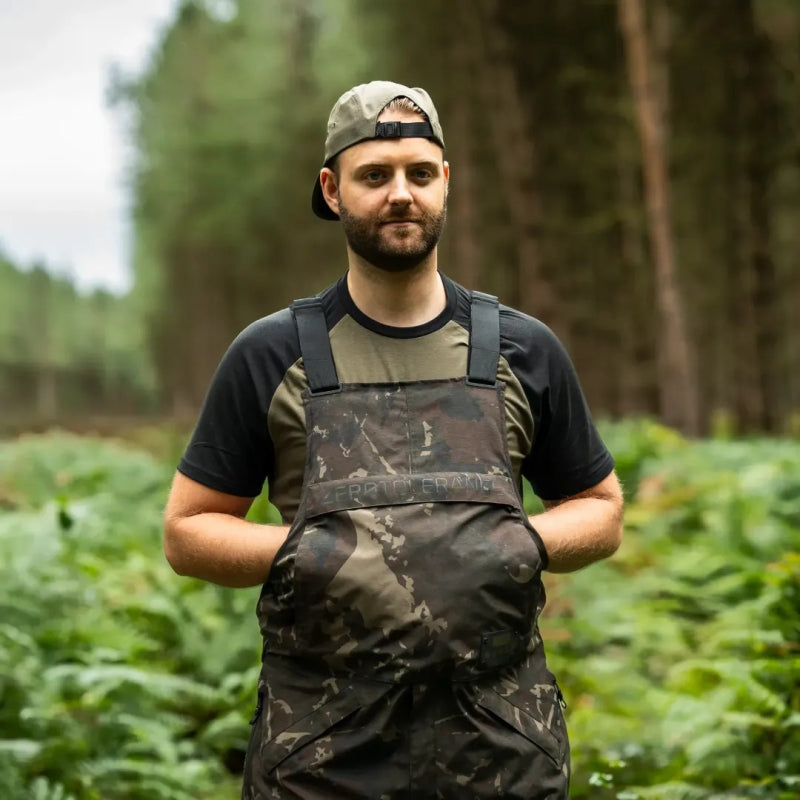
(679, 392)
(46, 393)
(738, 346)
(760, 115)
(638, 378)
(758, 392)
(514, 149)
(460, 137)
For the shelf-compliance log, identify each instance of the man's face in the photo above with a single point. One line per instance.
(391, 197)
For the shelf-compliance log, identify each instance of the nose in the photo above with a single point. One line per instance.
(399, 190)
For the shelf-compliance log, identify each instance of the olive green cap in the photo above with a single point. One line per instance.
(354, 119)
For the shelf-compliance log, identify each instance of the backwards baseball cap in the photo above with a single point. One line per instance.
(354, 119)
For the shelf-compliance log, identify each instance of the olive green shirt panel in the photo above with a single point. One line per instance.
(363, 356)
(286, 421)
(519, 419)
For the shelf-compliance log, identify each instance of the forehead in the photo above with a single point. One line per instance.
(391, 151)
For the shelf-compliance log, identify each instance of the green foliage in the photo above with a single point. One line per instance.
(89, 345)
(678, 657)
(227, 121)
(681, 653)
(118, 679)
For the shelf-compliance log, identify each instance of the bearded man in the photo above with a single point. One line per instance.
(394, 416)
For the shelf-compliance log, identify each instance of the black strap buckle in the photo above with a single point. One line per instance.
(388, 130)
(397, 130)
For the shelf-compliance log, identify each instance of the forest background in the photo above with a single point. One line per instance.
(628, 172)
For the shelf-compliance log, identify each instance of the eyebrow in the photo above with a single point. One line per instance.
(432, 165)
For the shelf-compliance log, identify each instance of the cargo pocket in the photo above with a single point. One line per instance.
(534, 730)
(307, 729)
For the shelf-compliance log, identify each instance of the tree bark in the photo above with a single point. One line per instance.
(638, 378)
(742, 395)
(460, 137)
(514, 149)
(760, 115)
(678, 383)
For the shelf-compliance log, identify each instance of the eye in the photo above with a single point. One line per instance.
(422, 175)
(373, 176)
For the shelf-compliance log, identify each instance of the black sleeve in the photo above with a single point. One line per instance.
(568, 456)
(231, 449)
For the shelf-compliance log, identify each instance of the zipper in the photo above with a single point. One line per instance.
(561, 701)
(259, 707)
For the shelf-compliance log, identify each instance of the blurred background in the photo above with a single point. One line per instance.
(656, 230)
(628, 171)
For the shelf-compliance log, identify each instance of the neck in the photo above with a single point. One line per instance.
(399, 299)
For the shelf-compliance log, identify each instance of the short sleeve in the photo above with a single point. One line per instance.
(568, 454)
(230, 449)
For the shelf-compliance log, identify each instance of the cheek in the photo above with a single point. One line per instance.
(361, 202)
(434, 201)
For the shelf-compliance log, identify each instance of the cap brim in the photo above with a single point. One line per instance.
(318, 204)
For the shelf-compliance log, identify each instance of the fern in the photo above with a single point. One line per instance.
(679, 657)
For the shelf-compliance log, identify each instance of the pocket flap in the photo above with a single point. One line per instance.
(532, 729)
(313, 725)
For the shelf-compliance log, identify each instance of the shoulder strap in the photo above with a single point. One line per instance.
(315, 346)
(484, 340)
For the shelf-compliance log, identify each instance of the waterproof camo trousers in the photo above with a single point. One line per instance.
(402, 658)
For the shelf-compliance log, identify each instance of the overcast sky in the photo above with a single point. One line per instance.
(63, 153)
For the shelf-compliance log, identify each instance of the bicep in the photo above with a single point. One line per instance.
(187, 498)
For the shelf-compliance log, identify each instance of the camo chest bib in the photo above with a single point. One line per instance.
(402, 657)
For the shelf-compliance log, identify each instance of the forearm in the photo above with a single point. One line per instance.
(580, 531)
(222, 548)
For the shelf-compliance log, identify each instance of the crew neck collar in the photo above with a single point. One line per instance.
(393, 331)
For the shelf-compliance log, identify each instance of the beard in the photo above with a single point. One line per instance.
(367, 237)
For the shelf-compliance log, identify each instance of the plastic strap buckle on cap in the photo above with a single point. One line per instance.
(398, 130)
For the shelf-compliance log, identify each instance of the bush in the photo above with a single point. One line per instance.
(119, 681)
(679, 656)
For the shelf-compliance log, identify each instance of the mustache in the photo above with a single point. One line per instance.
(401, 216)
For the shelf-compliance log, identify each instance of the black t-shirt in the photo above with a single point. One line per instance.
(252, 425)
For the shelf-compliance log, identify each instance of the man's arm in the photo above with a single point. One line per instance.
(584, 528)
(206, 536)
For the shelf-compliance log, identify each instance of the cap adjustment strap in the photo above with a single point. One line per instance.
(398, 130)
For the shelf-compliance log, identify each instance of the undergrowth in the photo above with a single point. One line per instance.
(679, 657)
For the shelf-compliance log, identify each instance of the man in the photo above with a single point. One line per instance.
(393, 416)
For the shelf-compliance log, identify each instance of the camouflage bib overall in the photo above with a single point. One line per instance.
(402, 657)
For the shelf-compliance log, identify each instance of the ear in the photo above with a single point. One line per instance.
(330, 188)
(446, 173)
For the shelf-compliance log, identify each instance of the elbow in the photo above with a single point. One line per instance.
(173, 550)
(615, 530)
(615, 538)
